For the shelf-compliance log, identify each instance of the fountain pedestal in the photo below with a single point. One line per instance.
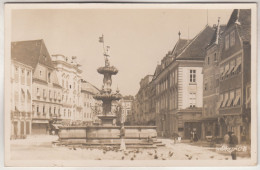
(107, 120)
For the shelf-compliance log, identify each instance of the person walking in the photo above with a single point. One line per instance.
(122, 136)
(191, 136)
(233, 143)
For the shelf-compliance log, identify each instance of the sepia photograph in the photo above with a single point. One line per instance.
(130, 84)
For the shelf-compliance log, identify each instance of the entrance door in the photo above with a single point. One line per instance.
(27, 128)
(15, 128)
(22, 128)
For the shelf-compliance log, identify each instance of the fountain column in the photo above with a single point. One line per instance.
(106, 95)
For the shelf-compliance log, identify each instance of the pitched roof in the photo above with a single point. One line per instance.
(86, 86)
(179, 46)
(31, 53)
(195, 50)
(241, 17)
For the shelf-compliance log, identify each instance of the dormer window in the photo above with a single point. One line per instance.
(49, 77)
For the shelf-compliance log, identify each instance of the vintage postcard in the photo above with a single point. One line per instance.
(130, 84)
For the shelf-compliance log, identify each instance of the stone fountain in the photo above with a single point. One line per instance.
(106, 95)
(108, 134)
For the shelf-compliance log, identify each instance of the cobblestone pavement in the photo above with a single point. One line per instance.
(40, 148)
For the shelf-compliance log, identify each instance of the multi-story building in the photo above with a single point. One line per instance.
(69, 77)
(46, 91)
(21, 97)
(90, 106)
(144, 105)
(179, 86)
(235, 75)
(210, 125)
(126, 104)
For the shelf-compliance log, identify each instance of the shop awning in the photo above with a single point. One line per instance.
(56, 126)
(40, 121)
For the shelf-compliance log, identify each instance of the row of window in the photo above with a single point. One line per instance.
(51, 95)
(87, 104)
(44, 110)
(172, 80)
(230, 68)
(23, 96)
(87, 115)
(162, 103)
(22, 77)
(230, 98)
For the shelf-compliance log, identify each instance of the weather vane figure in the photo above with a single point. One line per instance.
(106, 50)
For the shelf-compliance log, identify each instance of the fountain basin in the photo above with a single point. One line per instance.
(107, 135)
(107, 97)
(107, 70)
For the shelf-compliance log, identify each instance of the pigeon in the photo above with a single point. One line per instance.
(132, 158)
(211, 156)
(190, 157)
(163, 159)
(155, 156)
(170, 154)
(74, 148)
(123, 158)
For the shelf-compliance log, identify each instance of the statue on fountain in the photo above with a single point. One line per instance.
(106, 95)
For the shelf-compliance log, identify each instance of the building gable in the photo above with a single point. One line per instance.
(31, 53)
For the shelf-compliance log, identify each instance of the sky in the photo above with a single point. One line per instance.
(138, 38)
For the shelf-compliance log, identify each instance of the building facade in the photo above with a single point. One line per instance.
(126, 104)
(210, 115)
(235, 76)
(179, 87)
(46, 91)
(144, 104)
(21, 99)
(69, 77)
(90, 107)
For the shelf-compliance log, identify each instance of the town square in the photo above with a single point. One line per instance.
(130, 84)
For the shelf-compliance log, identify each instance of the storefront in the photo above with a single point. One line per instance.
(40, 127)
(20, 125)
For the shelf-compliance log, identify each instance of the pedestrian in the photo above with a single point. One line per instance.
(226, 139)
(195, 137)
(233, 143)
(191, 136)
(122, 136)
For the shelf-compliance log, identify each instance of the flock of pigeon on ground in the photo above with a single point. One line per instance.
(132, 154)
